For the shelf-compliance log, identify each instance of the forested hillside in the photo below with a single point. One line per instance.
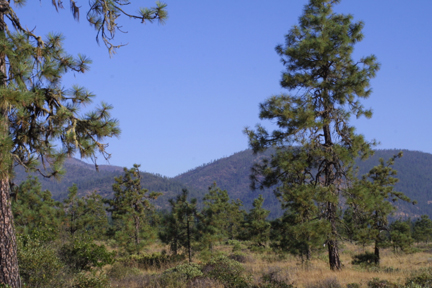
(88, 180)
(232, 174)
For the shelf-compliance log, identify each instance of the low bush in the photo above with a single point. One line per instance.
(118, 271)
(422, 278)
(38, 263)
(94, 279)
(367, 258)
(226, 271)
(82, 255)
(378, 283)
(180, 275)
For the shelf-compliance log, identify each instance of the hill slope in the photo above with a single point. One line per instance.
(88, 179)
(232, 173)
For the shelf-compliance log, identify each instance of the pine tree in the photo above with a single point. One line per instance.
(36, 111)
(35, 211)
(129, 207)
(256, 225)
(369, 200)
(73, 206)
(315, 145)
(181, 226)
(423, 229)
(85, 215)
(400, 235)
(95, 220)
(221, 217)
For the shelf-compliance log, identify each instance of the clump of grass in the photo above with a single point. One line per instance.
(326, 283)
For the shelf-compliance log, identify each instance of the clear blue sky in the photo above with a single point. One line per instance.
(184, 91)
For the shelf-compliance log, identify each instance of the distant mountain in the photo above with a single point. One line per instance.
(88, 180)
(232, 174)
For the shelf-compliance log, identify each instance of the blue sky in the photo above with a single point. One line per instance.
(184, 91)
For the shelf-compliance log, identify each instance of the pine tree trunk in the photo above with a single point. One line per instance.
(333, 248)
(308, 253)
(333, 251)
(137, 240)
(188, 240)
(377, 253)
(9, 272)
(332, 243)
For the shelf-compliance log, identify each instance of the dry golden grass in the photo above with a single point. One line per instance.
(399, 267)
(395, 267)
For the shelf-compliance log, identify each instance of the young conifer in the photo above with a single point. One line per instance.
(369, 201)
(256, 226)
(181, 225)
(315, 144)
(222, 217)
(130, 207)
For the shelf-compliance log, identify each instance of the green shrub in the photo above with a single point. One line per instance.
(93, 279)
(188, 270)
(377, 283)
(83, 254)
(119, 271)
(367, 258)
(423, 278)
(38, 263)
(237, 247)
(353, 285)
(226, 271)
(180, 275)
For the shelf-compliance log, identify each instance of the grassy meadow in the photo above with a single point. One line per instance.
(266, 268)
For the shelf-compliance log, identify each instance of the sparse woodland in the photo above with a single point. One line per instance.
(336, 229)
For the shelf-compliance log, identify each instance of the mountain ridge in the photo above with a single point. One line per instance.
(231, 173)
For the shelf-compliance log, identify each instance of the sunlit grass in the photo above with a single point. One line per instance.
(395, 267)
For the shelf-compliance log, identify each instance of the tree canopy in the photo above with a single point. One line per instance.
(315, 144)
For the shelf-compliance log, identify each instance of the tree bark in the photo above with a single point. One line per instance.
(9, 272)
(377, 253)
(137, 240)
(188, 239)
(332, 243)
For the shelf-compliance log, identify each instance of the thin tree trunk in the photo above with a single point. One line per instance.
(137, 240)
(332, 243)
(377, 253)
(333, 247)
(308, 253)
(9, 272)
(188, 240)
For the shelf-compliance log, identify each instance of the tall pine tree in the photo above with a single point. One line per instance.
(315, 144)
(36, 111)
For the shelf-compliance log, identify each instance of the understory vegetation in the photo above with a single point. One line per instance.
(77, 243)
